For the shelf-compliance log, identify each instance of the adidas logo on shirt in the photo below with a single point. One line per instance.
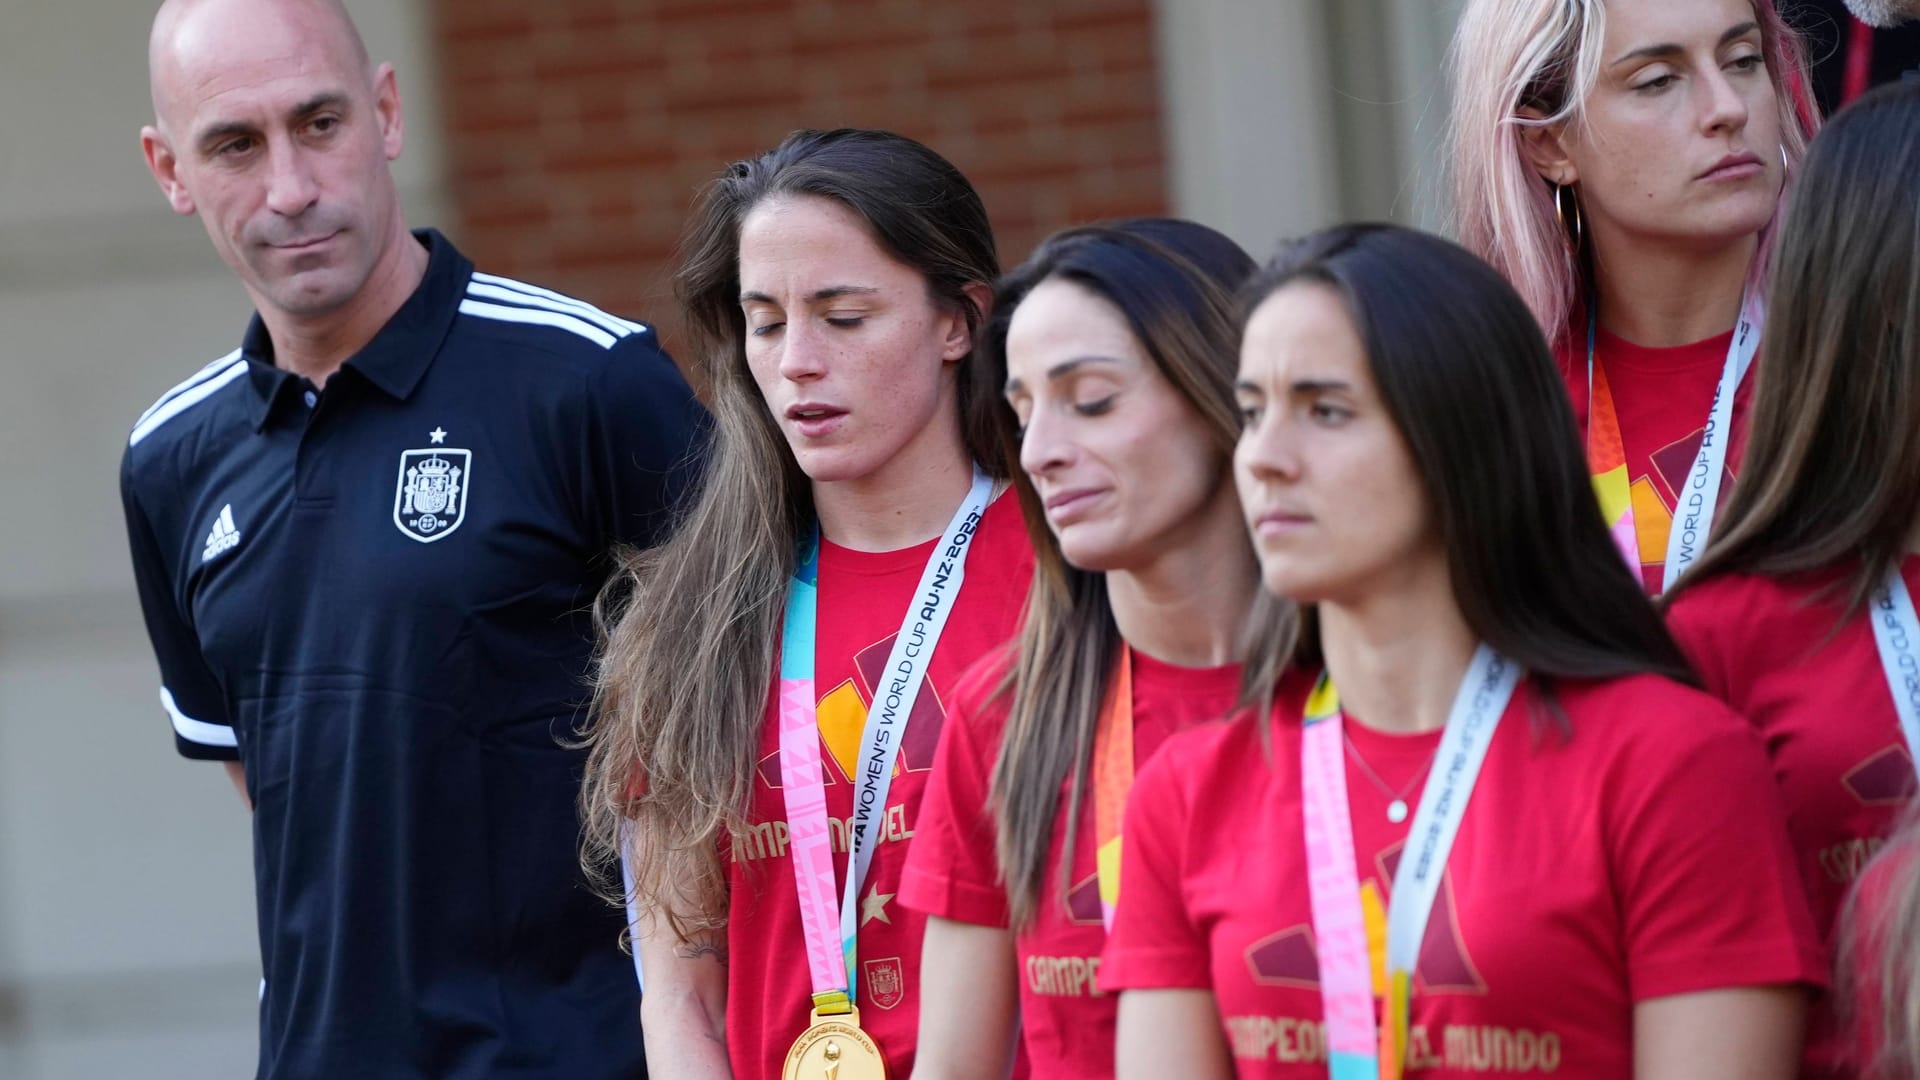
(224, 537)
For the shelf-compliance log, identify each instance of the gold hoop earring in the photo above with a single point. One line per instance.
(1560, 215)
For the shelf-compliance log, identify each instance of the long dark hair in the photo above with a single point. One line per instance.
(689, 628)
(1467, 377)
(1831, 476)
(1174, 283)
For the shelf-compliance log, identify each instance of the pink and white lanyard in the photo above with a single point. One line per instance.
(1357, 953)
(831, 940)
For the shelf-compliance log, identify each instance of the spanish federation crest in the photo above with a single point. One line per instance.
(885, 983)
(431, 500)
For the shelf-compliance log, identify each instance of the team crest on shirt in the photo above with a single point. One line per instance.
(430, 498)
(886, 984)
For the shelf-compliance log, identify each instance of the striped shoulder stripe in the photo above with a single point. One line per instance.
(499, 295)
(196, 379)
(185, 400)
(538, 317)
(519, 292)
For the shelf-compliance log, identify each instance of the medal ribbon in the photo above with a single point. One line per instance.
(1333, 891)
(1698, 500)
(1358, 1048)
(1607, 456)
(1112, 779)
(802, 775)
(1896, 633)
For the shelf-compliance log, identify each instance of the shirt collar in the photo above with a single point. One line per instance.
(398, 356)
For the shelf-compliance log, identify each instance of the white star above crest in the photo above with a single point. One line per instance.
(438, 435)
(874, 906)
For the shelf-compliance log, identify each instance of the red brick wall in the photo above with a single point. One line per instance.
(579, 130)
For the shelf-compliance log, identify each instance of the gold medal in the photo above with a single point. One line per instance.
(834, 1048)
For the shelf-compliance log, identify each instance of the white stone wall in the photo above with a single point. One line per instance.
(127, 943)
(1283, 116)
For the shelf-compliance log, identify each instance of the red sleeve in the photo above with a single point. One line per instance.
(953, 870)
(1155, 944)
(1708, 894)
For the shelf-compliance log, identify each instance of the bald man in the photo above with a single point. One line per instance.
(365, 544)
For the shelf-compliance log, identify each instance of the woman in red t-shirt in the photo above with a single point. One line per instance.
(1802, 605)
(1620, 163)
(1485, 842)
(1115, 345)
(770, 698)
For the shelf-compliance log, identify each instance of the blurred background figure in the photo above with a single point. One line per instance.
(1884, 12)
(1857, 44)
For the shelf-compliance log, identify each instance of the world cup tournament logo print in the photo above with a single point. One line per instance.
(1288, 957)
(1656, 495)
(842, 714)
(1083, 902)
(430, 501)
(1884, 779)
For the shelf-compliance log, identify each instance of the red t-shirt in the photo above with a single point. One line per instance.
(1592, 871)
(1821, 704)
(1662, 397)
(1066, 1022)
(863, 597)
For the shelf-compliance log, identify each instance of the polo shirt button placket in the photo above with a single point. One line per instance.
(313, 482)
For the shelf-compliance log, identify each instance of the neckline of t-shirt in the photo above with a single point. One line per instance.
(846, 560)
(873, 564)
(1399, 748)
(1617, 353)
(1164, 675)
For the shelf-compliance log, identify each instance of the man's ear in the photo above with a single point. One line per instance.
(1545, 148)
(386, 105)
(961, 337)
(165, 168)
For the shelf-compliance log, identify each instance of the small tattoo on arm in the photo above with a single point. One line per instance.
(713, 945)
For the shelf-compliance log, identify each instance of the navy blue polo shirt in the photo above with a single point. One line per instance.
(377, 598)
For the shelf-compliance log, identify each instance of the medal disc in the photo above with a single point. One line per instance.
(834, 1048)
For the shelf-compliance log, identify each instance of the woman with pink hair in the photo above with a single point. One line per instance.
(1621, 162)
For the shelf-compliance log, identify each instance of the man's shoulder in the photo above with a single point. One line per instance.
(515, 320)
(561, 350)
(207, 396)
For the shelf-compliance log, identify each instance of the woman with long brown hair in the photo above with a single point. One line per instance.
(1800, 613)
(771, 691)
(1484, 843)
(1620, 162)
(1114, 346)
